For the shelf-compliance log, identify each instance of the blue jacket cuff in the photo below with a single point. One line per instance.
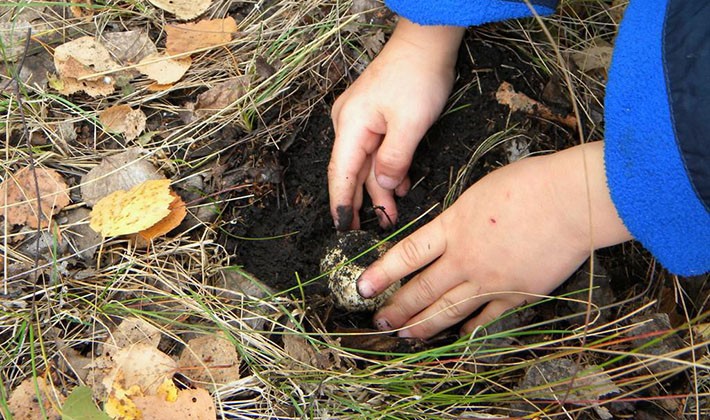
(647, 178)
(467, 12)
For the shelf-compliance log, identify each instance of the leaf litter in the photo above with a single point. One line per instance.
(163, 68)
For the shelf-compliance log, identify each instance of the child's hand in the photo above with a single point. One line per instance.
(516, 234)
(382, 117)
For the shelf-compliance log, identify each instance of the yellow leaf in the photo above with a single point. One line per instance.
(126, 212)
(169, 390)
(168, 223)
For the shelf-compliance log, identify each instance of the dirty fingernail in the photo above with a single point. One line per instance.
(382, 324)
(344, 217)
(387, 182)
(365, 289)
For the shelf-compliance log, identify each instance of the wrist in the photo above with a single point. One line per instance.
(438, 43)
(578, 179)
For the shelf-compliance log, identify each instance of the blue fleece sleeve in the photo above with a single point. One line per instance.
(467, 12)
(648, 180)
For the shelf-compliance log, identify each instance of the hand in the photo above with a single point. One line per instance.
(381, 118)
(516, 234)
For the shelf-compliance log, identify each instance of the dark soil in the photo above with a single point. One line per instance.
(300, 208)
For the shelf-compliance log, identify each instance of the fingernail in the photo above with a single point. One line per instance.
(382, 324)
(387, 182)
(404, 334)
(365, 289)
(344, 217)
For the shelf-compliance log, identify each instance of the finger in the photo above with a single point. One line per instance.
(382, 200)
(403, 188)
(419, 293)
(409, 255)
(353, 143)
(395, 154)
(454, 306)
(491, 312)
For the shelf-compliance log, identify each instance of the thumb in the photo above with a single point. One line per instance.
(396, 152)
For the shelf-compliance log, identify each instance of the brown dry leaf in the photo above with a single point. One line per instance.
(81, 59)
(189, 37)
(301, 350)
(519, 102)
(121, 171)
(128, 47)
(178, 211)
(129, 332)
(163, 69)
(124, 120)
(18, 196)
(14, 25)
(595, 57)
(157, 87)
(183, 9)
(210, 359)
(81, 11)
(140, 365)
(126, 212)
(24, 401)
(221, 96)
(194, 404)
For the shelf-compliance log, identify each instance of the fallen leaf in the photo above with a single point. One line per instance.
(121, 171)
(183, 9)
(221, 96)
(120, 405)
(519, 102)
(164, 69)
(210, 359)
(190, 37)
(301, 350)
(82, 240)
(24, 403)
(157, 87)
(15, 23)
(80, 406)
(178, 211)
(78, 63)
(194, 404)
(122, 119)
(128, 47)
(129, 332)
(83, 11)
(595, 57)
(125, 212)
(140, 365)
(551, 379)
(373, 43)
(18, 196)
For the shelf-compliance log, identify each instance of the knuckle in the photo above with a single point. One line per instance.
(425, 289)
(410, 253)
(454, 309)
(393, 158)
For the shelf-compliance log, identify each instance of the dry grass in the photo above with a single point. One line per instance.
(54, 302)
